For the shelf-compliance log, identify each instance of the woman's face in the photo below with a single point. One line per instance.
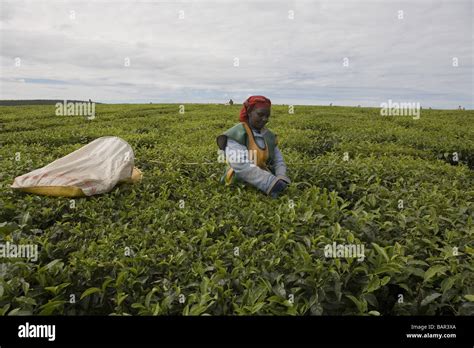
(258, 118)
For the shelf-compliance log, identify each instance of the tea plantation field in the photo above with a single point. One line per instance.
(179, 243)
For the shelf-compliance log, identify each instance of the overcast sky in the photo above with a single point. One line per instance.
(290, 51)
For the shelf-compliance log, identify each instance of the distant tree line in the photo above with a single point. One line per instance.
(39, 102)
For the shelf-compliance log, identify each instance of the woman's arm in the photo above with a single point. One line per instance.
(246, 170)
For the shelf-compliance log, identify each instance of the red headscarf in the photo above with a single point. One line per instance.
(255, 101)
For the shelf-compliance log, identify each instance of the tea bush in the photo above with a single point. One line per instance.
(180, 243)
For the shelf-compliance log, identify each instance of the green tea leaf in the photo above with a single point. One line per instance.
(432, 271)
(430, 298)
(89, 292)
(381, 251)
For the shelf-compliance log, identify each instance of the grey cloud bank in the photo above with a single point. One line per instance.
(291, 51)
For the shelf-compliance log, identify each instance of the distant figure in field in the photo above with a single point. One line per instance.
(231, 102)
(459, 108)
(251, 150)
(330, 104)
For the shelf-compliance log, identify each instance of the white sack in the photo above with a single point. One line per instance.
(94, 168)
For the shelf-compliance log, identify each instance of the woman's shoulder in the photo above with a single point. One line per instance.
(237, 133)
(268, 132)
(236, 127)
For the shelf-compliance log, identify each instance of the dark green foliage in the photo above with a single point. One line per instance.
(234, 250)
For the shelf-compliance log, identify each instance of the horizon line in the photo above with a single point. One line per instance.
(206, 103)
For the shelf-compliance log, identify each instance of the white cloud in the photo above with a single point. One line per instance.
(300, 60)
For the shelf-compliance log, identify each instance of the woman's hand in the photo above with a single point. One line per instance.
(279, 186)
